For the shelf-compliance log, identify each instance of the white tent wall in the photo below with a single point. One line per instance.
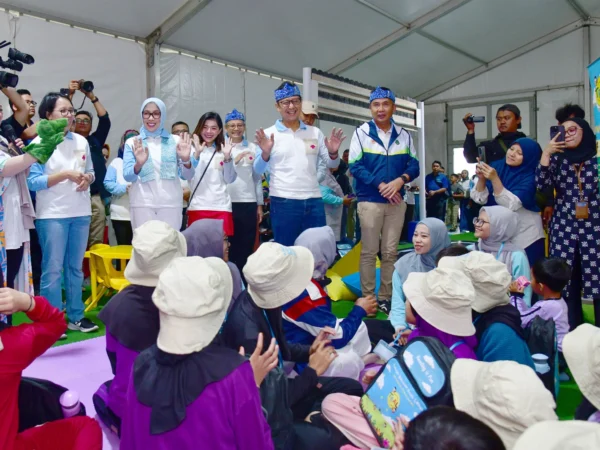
(553, 75)
(116, 66)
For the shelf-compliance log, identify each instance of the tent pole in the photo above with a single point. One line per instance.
(153, 67)
(421, 125)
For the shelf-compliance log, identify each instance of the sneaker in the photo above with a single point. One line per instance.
(84, 325)
(385, 306)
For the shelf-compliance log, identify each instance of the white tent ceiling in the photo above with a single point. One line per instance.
(416, 47)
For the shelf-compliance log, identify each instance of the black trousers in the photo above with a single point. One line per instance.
(13, 262)
(328, 385)
(572, 295)
(36, 259)
(123, 231)
(245, 224)
(380, 330)
(408, 217)
(436, 208)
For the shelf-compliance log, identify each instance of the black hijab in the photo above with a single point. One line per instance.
(132, 318)
(506, 314)
(169, 383)
(586, 149)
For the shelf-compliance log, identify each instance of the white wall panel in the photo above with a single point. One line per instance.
(435, 135)
(556, 63)
(547, 103)
(260, 102)
(191, 87)
(116, 66)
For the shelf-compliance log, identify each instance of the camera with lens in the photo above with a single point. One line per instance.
(475, 119)
(85, 86)
(15, 62)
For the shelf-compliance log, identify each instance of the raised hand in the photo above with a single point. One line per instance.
(140, 152)
(554, 146)
(487, 171)
(184, 147)
(335, 140)
(264, 142)
(227, 148)
(198, 147)
(263, 363)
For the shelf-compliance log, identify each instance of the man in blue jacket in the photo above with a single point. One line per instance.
(382, 160)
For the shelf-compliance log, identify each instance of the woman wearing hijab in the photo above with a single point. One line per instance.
(131, 318)
(154, 162)
(512, 181)
(186, 391)
(430, 237)
(310, 313)
(115, 184)
(334, 200)
(571, 168)
(205, 238)
(495, 228)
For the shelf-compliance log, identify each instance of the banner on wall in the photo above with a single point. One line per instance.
(594, 72)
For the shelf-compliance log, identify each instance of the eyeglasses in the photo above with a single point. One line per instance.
(572, 130)
(479, 222)
(66, 112)
(82, 121)
(148, 114)
(233, 127)
(287, 103)
(31, 102)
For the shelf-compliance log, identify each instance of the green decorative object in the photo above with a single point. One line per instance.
(51, 133)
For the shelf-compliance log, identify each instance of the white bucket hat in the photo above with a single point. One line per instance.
(192, 297)
(490, 278)
(309, 107)
(569, 435)
(581, 348)
(505, 395)
(278, 274)
(155, 245)
(442, 297)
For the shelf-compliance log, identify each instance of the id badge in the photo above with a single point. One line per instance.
(581, 210)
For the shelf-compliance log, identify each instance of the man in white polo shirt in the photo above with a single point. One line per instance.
(382, 160)
(297, 157)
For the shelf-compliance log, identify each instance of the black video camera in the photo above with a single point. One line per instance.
(15, 62)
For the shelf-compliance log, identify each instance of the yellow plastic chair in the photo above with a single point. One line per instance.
(106, 276)
(93, 272)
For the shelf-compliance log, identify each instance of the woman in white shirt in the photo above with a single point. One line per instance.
(63, 210)
(115, 184)
(16, 219)
(214, 171)
(153, 163)
(512, 181)
(245, 192)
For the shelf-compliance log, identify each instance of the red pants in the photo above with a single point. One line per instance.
(225, 216)
(76, 433)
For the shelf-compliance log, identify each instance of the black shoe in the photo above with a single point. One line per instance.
(385, 306)
(84, 325)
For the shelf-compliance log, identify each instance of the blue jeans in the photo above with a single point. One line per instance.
(289, 218)
(63, 243)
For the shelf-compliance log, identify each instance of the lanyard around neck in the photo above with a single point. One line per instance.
(273, 334)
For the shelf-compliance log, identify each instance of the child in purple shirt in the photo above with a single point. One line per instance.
(549, 277)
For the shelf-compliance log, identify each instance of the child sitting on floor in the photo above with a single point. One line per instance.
(549, 277)
(439, 305)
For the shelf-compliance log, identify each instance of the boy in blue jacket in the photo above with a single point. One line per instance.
(382, 161)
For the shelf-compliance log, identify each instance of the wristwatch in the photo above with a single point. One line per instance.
(95, 100)
(406, 178)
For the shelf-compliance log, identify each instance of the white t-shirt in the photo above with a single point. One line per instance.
(211, 194)
(119, 206)
(247, 188)
(14, 231)
(157, 193)
(62, 200)
(298, 162)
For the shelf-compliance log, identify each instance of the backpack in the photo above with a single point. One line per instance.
(39, 402)
(541, 337)
(277, 409)
(417, 378)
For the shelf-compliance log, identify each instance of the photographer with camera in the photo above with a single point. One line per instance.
(96, 140)
(15, 126)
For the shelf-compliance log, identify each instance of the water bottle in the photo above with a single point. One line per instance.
(541, 363)
(69, 402)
